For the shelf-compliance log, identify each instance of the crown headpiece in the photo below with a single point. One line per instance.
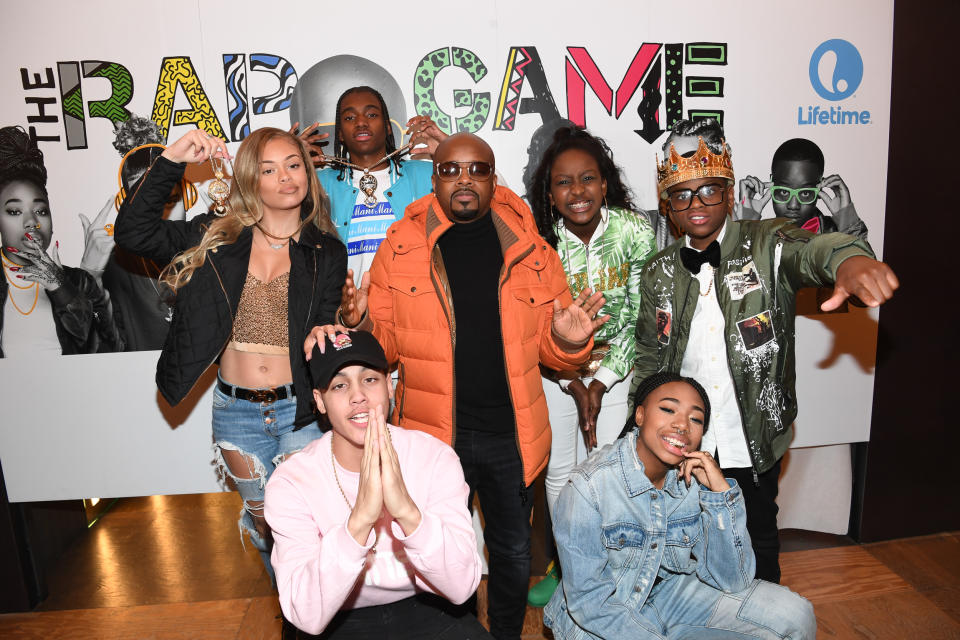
(702, 164)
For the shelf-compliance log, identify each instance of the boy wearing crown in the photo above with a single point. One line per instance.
(718, 305)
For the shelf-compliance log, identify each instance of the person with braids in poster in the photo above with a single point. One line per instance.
(250, 277)
(73, 314)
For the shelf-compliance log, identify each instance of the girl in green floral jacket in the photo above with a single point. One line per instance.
(585, 212)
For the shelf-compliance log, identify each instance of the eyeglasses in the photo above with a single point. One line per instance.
(452, 170)
(709, 194)
(804, 195)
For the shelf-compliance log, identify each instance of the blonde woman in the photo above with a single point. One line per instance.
(249, 284)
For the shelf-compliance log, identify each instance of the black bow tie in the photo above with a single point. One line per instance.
(693, 259)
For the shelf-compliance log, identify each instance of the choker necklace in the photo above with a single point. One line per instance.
(333, 463)
(283, 240)
(368, 184)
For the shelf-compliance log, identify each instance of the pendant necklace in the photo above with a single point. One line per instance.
(218, 190)
(368, 183)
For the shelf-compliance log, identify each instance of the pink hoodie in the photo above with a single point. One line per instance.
(321, 569)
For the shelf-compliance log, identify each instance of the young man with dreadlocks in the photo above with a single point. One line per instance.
(719, 305)
(364, 203)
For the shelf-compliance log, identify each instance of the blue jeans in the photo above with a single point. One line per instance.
(262, 433)
(492, 469)
(685, 607)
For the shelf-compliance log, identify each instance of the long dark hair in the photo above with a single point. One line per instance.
(340, 147)
(650, 383)
(566, 138)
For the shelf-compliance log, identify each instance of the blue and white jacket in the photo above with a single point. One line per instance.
(412, 183)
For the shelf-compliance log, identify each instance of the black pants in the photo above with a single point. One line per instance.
(492, 468)
(424, 616)
(761, 501)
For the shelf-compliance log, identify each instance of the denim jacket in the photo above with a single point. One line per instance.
(616, 534)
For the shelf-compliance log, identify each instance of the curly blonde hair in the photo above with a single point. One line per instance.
(244, 206)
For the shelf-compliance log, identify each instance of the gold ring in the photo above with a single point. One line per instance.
(108, 228)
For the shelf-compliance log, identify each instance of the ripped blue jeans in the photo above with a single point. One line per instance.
(263, 434)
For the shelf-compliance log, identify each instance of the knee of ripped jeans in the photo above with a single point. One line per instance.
(257, 478)
(281, 457)
(246, 524)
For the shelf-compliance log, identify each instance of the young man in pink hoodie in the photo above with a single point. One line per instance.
(370, 522)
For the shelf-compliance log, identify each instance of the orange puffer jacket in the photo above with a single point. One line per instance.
(410, 306)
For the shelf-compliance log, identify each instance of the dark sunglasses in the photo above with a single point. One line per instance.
(452, 170)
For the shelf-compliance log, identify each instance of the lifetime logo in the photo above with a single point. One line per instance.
(836, 71)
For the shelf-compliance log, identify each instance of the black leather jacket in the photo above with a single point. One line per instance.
(206, 306)
(81, 314)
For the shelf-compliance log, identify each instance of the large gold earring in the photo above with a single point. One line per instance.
(218, 189)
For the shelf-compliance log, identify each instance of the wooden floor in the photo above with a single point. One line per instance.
(171, 567)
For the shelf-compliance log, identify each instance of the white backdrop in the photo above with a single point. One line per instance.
(78, 426)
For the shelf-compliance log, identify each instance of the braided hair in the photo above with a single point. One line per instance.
(340, 147)
(21, 158)
(650, 383)
(566, 138)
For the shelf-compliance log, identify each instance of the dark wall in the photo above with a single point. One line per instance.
(911, 465)
(33, 535)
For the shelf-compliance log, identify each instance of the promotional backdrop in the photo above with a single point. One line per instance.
(94, 425)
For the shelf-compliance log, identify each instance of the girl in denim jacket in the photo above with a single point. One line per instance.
(653, 540)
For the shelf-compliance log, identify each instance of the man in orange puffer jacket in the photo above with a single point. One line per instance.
(468, 300)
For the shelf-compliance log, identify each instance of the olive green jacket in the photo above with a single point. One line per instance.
(762, 265)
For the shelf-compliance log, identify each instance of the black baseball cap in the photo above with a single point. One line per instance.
(355, 347)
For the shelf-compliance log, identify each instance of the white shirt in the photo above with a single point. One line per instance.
(705, 360)
(368, 226)
(26, 336)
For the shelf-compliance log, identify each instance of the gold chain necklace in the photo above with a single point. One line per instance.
(35, 286)
(36, 298)
(368, 183)
(333, 463)
(709, 286)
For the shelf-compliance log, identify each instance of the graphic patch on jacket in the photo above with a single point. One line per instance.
(771, 403)
(664, 320)
(757, 330)
(742, 282)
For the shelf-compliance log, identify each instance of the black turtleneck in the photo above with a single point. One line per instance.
(473, 260)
